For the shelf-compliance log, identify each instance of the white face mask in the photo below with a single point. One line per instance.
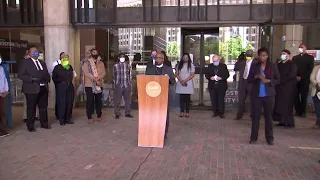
(300, 50)
(122, 60)
(0, 60)
(159, 66)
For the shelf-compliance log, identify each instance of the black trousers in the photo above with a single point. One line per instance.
(184, 103)
(93, 102)
(40, 100)
(301, 95)
(217, 100)
(56, 104)
(267, 103)
(65, 101)
(167, 123)
(3, 129)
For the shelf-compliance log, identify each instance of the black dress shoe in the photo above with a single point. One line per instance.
(129, 116)
(252, 142)
(280, 124)
(117, 116)
(69, 122)
(222, 116)
(32, 130)
(215, 115)
(289, 126)
(62, 124)
(270, 143)
(46, 127)
(24, 120)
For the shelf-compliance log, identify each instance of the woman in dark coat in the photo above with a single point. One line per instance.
(263, 76)
(283, 110)
(62, 76)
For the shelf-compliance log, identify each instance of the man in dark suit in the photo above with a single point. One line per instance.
(151, 63)
(162, 69)
(217, 75)
(305, 64)
(243, 66)
(35, 77)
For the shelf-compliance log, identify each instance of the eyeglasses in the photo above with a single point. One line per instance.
(159, 58)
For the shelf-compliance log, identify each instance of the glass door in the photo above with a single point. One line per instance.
(266, 37)
(201, 45)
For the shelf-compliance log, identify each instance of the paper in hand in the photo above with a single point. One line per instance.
(74, 74)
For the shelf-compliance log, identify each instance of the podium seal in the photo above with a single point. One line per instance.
(153, 89)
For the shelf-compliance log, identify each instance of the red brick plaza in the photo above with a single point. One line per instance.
(199, 148)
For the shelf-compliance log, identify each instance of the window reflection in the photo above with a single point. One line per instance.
(129, 3)
(234, 2)
(169, 2)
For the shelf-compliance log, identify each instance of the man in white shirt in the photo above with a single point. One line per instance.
(4, 91)
(243, 66)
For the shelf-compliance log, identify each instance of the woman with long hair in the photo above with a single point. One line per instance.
(263, 76)
(185, 73)
(166, 60)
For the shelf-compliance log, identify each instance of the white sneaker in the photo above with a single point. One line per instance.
(4, 135)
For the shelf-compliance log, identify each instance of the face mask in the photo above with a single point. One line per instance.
(35, 54)
(65, 63)
(283, 57)
(159, 65)
(216, 63)
(300, 50)
(0, 60)
(249, 58)
(185, 59)
(94, 56)
(122, 60)
(153, 56)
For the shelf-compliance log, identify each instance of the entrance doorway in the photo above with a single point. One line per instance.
(201, 44)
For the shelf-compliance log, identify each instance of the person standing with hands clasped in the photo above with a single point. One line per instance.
(121, 75)
(94, 72)
(263, 76)
(62, 76)
(35, 77)
(217, 75)
(185, 73)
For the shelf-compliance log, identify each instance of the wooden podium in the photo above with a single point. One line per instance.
(153, 104)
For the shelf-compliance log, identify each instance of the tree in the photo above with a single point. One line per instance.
(235, 47)
(173, 50)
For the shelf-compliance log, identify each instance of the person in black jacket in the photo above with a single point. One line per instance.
(263, 76)
(305, 64)
(62, 76)
(152, 63)
(283, 109)
(217, 74)
(35, 77)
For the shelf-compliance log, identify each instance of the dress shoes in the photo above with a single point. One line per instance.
(46, 127)
(32, 130)
(129, 116)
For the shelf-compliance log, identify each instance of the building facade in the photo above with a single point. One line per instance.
(136, 27)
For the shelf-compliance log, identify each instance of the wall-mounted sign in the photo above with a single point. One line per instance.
(4, 43)
(314, 53)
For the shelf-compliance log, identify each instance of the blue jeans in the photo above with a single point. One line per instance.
(316, 103)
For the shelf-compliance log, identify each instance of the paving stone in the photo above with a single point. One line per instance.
(198, 148)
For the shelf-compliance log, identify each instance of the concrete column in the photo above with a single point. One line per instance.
(59, 35)
(293, 35)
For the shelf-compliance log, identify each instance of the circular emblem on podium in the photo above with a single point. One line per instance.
(153, 89)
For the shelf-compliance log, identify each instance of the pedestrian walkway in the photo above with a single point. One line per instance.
(199, 148)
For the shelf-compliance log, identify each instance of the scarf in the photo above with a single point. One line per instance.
(93, 70)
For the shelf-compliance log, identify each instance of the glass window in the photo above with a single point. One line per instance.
(129, 3)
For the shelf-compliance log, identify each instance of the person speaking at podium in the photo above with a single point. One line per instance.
(162, 69)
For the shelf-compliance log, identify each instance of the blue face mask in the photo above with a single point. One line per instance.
(36, 54)
(283, 57)
(216, 63)
(185, 59)
(153, 56)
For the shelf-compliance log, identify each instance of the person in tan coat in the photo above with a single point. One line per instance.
(315, 92)
(93, 74)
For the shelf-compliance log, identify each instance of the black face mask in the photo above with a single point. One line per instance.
(94, 56)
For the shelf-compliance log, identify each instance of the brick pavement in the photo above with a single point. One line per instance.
(198, 148)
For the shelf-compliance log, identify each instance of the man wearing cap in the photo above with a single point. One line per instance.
(121, 75)
(243, 87)
(305, 64)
